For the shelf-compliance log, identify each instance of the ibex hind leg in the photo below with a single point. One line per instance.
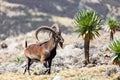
(49, 70)
(29, 62)
(25, 70)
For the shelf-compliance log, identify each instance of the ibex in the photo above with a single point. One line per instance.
(46, 51)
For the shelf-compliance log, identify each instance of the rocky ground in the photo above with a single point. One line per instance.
(70, 58)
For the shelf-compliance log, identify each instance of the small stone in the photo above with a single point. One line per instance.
(94, 61)
(117, 77)
(2, 36)
(78, 45)
(118, 28)
(85, 62)
(75, 60)
(2, 70)
(69, 47)
(110, 71)
(4, 45)
(58, 78)
(90, 65)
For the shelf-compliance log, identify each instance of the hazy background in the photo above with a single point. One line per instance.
(21, 16)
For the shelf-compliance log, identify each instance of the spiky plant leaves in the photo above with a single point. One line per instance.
(88, 24)
(115, 48)
(113, 23)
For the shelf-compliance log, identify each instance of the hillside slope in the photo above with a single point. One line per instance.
(67, 8)
(22, 16)
(17, 18)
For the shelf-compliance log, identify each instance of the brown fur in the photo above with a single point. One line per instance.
(39, 50)
(45, 51)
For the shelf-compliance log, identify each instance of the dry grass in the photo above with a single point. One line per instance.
(96, 73)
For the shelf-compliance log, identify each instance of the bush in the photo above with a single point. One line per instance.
(82, 79)
(115, 48)
(18, 60)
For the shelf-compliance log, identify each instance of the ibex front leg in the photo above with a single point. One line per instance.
(49, 69)
(46, 64)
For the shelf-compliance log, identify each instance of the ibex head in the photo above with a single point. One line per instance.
(56, 33)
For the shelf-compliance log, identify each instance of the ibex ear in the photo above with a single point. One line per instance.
(55, 27)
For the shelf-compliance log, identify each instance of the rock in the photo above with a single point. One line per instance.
(0, 59)
(58, 78)
(23, 64)
(111, 71)
(13, 45)
(118, 28)
(117, 77)
(78, 52)
(94, 58)
(11, 67)
(84, 62)
(2, 70)
(90, 65)
(104, 48)
(78, 45)
(57, 69)
(2, 36)
(4, 45)
(69, 47)
(92, 46)
(75, 60)
(79, 65)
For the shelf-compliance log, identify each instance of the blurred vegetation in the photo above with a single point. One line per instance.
(115, 48)
(113, 24)
(82, 79)
(19, 60)
(88, 23)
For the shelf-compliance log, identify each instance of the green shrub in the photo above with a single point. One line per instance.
(115, 48)
(18, 60)
(82, 79)
(113, 24)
